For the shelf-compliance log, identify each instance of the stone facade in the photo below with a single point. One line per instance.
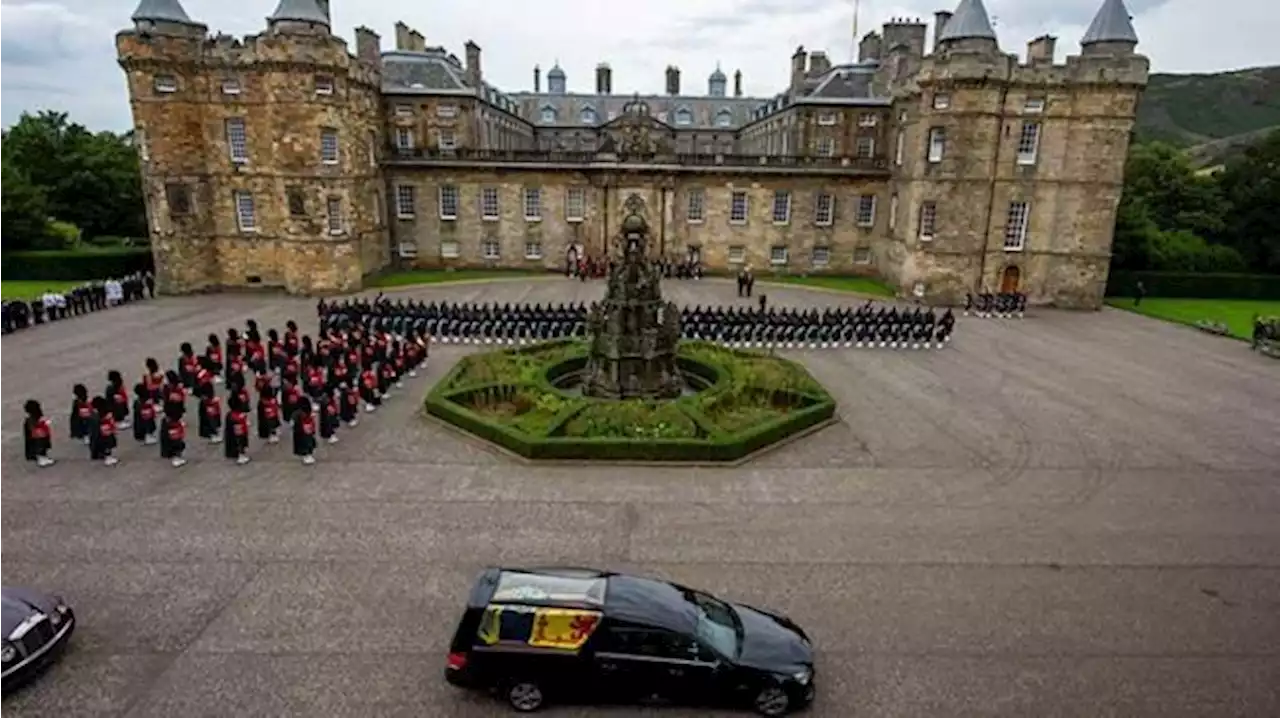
(1017, 164)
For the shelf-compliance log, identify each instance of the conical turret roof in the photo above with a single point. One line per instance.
(161, 11)
(1111, 24)
(299, 11)
(969, 21)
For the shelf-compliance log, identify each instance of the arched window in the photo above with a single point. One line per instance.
(684, 116)
(724, 118)
(588, 116)
(548, 115)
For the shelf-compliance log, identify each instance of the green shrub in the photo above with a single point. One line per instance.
(75, 265)
(1187, 285)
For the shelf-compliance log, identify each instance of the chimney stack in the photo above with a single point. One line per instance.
(737, 83)
(870, 48)
(474, 76)
(324, 8)
(1040, 50)
(819, 63)
(797, 69)
(940, 20)
(604, 79)
(417, 42)
(368, 45)
(673, 80)
(537, 79)
(403, 40)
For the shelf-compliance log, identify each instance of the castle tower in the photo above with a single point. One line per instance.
(1007, 174)
(259, 156)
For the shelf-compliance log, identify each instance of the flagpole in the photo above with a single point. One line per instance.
(853, 49)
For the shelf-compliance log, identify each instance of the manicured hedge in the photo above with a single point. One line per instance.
(71, 265)
(1186, 285)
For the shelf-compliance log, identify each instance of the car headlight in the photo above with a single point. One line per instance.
(55, 618)
(802, 677)
(8, 653)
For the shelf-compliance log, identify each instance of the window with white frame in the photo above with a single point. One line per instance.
(724, 118)
(404, 138)
(333, 209)
(237, 140)
(866, 210)
(781, 206)
(575, 204)
(532, 204)
(406, 201)
(1015, 226)
(446, 140)
(587, 116)
(737, 254)
(893, 212)
(408, 250)
(491, 248)
(862, 255)
(404, 110)
(329, 146)
(941, 101)
(821, 256)
(738, 207)
(866, 147)
(533, 250)
(165, 84)
(324, 84)
(1033, 105)
(868, 119)
(696, 210)
(246, 213)
(937, 144)
(489, 207)
(448, 201)
(824, 209)
(826, 147)
(1028, 143)
(778, 255)
(684, 117)
(826, 118)
(899, 146)
(447, 110)
(230, 85)
(928, 220)
(449, 249)
(548, 115)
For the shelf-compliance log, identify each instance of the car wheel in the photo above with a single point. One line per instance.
(525, 696)
(772, 701)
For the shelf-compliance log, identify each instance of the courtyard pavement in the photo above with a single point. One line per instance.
(1077, 514)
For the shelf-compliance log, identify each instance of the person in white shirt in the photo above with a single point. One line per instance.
(114, 293)
(50, 306)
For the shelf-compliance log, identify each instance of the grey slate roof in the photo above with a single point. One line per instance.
(1111, 24)
(556, 72)
(969, 21)
(434, 71)
(161, 11)
(299, 10)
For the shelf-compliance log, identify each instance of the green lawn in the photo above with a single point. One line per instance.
(437, 276)
(28, 289)
(856, 285)
(1235, 313)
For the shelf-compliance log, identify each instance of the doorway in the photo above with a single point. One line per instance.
(1009, 279)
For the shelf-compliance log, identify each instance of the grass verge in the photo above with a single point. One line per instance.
(1237, 314)
(32, 288)
(855, 285)
(409, 278)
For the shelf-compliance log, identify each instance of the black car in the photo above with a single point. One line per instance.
(35, 628)
(579, 635)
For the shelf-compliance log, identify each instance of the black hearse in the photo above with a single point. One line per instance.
(535, 636)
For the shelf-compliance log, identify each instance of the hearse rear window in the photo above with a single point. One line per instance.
(515, 587)
(561, 628)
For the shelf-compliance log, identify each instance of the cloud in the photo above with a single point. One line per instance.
(59, 54)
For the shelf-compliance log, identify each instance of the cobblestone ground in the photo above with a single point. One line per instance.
(1071, 515)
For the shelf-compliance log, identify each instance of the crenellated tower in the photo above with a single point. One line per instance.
(259, 155)
(1007, 172)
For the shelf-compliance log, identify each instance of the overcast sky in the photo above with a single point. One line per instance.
(60, 54)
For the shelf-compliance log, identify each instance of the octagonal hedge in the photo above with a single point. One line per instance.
(748, 401)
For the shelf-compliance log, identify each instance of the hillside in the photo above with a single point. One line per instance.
(1188, 110)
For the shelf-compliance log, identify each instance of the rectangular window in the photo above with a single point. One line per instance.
(826, 147)
(489, 207)
(246, 215)
(781, 207)
(1029, 143)
(406, 201)
(893, 212)
(449, 249)
(778, 255)
(178, 196)
(532, 204)
(408, 250)
(866, 147)
(333, 209)
(738, 208)
(1033, 105)
(737, 254)
(447, 140)
(329, 146)
(937, 144)
(575, 204)
(941, 101)
(866, 210)
(231, 86)
(446, 110)
(324, 84)
(448, 201)
(492, 249)
(824, 206)
(237, 140)
(373, 148)
(901, 143)
(696, 211)
(533, 250)
(821, 256)
(862, 255)
(868, 119)
(403, 110)
(297, 201)
(928, 221)
(404, 138)
(165, 84)
(827, 118)
(1015, 226)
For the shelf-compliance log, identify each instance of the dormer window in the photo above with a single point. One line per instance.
(684, 117)
(588, 116)
(724, 118)
(548, 115)
(230, 86)
(166, 84)
(324, 84)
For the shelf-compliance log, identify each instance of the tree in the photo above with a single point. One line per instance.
(1250, 185)
(25, 212)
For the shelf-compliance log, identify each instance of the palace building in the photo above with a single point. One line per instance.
(285, 159)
